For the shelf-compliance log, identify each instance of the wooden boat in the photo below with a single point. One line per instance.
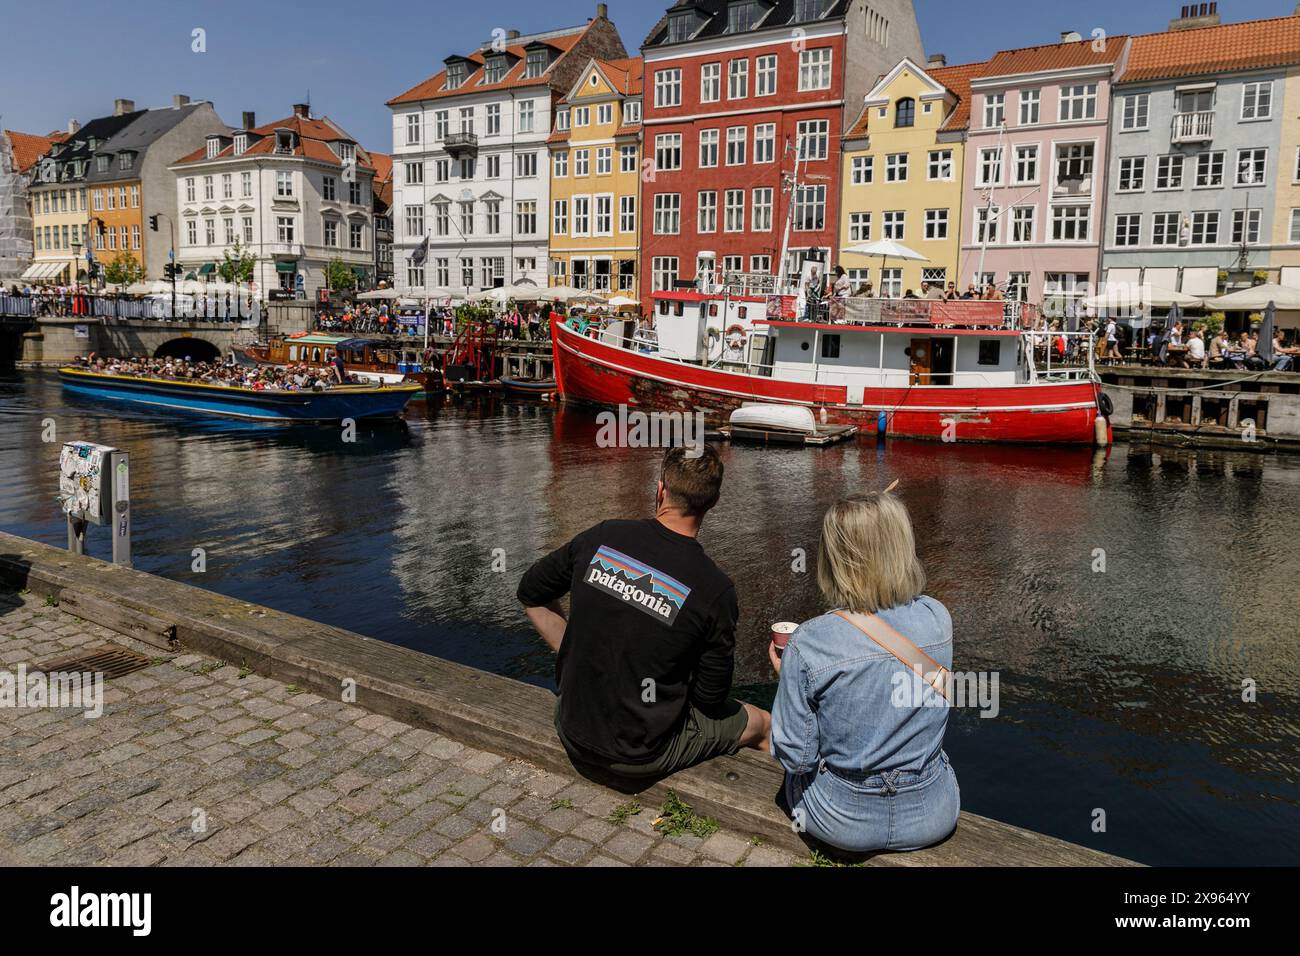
(266, 405)
(933, 369)
(528, 387)
(371, 360)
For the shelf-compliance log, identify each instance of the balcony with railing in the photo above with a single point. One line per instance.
(461, 145)
(1197, 127)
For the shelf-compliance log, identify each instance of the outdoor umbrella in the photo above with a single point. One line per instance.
(886, 249)
(559, 293)
(1124, 294)
(1264, 344)
(1258, 298)
(377, 294)
(1162, 346)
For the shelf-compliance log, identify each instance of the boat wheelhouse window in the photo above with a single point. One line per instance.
(713, 309)
(329, 355)
(742, 311)
(315, 355)
(679, 308)
(663, 306)
(830, 346)
(293, 353)
(990, 352)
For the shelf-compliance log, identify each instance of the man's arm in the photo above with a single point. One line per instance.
(540, 590)
(713, 671)
(549, 622)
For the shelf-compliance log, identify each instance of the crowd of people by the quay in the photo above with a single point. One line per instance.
(288, 378)
(77, 300)
(514, 321)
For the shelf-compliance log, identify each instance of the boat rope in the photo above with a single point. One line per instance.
(1198, 388)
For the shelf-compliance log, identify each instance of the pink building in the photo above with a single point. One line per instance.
(1035, 169)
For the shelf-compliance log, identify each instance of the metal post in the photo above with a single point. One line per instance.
(120, 520)
(76, 535)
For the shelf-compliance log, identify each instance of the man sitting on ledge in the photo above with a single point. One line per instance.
(644, 663)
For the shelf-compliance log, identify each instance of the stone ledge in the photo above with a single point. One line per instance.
(481, 709)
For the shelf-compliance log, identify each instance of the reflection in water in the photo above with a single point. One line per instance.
(1119, 689)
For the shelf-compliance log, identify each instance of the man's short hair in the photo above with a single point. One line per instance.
(692, 483)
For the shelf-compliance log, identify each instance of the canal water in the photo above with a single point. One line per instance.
(1120, 690)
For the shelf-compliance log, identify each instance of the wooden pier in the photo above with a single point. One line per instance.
(1243, 410)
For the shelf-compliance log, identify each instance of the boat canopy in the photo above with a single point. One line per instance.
(357, 345)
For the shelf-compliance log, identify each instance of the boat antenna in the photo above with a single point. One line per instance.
(792, 182)
(988, 203)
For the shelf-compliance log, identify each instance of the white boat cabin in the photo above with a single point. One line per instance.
(707, 327)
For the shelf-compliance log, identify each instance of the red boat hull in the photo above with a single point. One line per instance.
(592, 372)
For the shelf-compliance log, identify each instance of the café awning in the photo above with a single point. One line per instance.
(44, 270)
(207, 268)
(289, 267)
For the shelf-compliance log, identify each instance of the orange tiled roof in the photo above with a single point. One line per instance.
(559, 136)
(311, 143)
(625, 74)
(955, 79)
(1053, 56)
(383, 182)
(29, 147)
(432, 88)
(1252, 45)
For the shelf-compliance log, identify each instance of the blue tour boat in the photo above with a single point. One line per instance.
(266, 405)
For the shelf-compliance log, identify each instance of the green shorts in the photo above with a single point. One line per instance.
(700, 738)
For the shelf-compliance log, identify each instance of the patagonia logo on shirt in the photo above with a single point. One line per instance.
(645, 588)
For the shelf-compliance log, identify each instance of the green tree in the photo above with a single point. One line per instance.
(123, 269)
(237, 264)
(339, 276)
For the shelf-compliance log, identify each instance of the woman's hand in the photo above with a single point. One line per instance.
(774, 657)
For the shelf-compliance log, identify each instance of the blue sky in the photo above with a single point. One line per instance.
(66, 59)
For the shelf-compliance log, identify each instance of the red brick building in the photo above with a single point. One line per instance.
(735, 92)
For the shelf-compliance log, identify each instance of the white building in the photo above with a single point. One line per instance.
(471, 166)
(297, 193)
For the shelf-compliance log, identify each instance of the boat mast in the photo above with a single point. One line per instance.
(988, 205)
(793, 183)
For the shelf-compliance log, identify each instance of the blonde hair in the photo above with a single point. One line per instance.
(866, 560)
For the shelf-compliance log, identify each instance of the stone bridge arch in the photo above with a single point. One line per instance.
(194, 347)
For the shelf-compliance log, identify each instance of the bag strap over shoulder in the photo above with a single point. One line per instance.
(916, 660)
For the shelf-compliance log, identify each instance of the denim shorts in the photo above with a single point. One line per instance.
(861, 813)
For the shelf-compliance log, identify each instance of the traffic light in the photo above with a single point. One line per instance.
(170, 270)
(153, 223)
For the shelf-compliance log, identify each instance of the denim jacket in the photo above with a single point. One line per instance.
(839, 699)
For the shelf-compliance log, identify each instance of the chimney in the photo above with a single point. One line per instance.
(937, 59)
(1194, 16)
(249, 119)
(1071, 36)
(73, 127)
(179, 100)
(602, 11)
(302, 110)
(121, 107)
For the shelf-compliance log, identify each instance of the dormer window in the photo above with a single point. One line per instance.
(347, 152)
(681, 24)
(455, 74)
(632, 111)
(561, 119)
(742, 16)
(241, 143)
(101, 163)
(214, 146)
(535, 63)
(124, 160)
(495, 69)
(805, 10)
(284, 141)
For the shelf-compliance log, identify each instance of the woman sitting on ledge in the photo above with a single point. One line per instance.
(856, 729)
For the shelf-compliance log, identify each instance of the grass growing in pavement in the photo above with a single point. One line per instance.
(677, 817)
(818, 858)
(620, 813)
(561, 803)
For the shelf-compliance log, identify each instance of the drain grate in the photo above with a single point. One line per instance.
(111, 660)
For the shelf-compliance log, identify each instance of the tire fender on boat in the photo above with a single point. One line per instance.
(1104, 405)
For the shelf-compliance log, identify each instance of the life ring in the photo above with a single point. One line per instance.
(735, 336)
(1105, 405)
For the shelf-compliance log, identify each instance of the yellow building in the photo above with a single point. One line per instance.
(902, 176)
(1286, 214)
(596, 178)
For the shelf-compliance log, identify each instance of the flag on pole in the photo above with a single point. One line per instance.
(421, 253)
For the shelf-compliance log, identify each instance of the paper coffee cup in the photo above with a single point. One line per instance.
(781, 632)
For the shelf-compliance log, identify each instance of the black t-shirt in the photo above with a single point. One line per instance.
(652, 626)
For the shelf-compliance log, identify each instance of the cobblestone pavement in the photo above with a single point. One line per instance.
(285, 777)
